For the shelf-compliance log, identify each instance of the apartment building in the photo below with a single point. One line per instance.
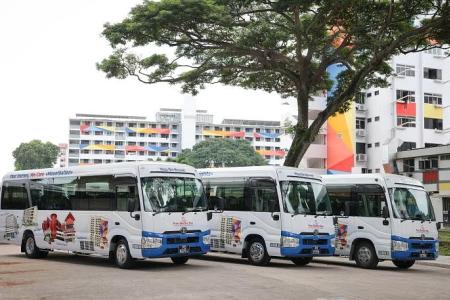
(432, 167)
(100, 139)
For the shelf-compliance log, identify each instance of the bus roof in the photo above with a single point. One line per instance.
(272, 171)
(162, 167)
(390, 180)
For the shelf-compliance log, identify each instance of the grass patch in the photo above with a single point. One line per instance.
(444, 242)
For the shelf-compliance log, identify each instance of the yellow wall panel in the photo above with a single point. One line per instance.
(432, 111)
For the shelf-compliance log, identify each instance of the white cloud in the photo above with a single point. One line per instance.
(47, 74)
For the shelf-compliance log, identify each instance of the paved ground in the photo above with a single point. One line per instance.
(62, 276)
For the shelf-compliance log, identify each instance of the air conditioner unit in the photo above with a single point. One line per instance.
(360, 132)
(361, 107)
(361, 157)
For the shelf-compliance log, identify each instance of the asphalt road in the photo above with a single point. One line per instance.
(63, 276)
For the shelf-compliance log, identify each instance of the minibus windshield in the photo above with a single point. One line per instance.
(307, 198)
(411, 204)
(173, 194)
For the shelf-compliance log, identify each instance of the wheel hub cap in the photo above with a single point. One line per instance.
(364, 254)
(30, 245)
(121, 254)
(257, 251)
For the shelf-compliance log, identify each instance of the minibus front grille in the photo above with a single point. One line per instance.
(420, 238)
(314, 242)
(422, 245)
(179, 232)
(179, 240)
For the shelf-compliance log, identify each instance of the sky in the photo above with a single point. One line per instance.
(48, 51)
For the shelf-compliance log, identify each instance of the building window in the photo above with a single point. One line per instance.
(363, 170)
(406, 96)
(432, 98)
(406, 121)
(377, 93)
(369, 171)
(377, 144)
(445, 157)
(360, 123)
(433, 123)
(408, 165)
(377, 118)
(369, 145)
(405, 146)
(360, 148)
(431, 145)
(429, 163)
(431, 73)
(405, 70)
(369, 95)
(377, 170)
(361, 98)
(174, 127)
(369, 120)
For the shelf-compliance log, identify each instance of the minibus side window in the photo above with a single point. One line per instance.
(263, 195)
(14, 196)
(227, 194)
(340, 198)
(126, 188)
(371, 200)
(98, 191)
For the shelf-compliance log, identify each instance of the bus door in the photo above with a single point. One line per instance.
(261, 199)
(14, 200)
(127, 192)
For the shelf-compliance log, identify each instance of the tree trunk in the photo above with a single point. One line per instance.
(304, 134)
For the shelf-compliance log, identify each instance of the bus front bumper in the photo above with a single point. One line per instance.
(157, 245)
(309, 245)
(417, 249)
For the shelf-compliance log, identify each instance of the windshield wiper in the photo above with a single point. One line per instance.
(195, 209)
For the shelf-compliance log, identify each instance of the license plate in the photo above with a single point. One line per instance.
(316, 251)
(183, 249)
(423, 255)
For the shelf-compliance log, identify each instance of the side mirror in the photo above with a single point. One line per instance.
(385, 212)
(131, 204)
(438, 225)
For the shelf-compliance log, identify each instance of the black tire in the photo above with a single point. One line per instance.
(180, 260)
(301, 261)
(365, 256)
(403, 264)
(257, 253)
(31, 250)
(122, 256)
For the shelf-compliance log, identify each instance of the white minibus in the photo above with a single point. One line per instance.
(264, 212)
(123, 211)
(382, 217)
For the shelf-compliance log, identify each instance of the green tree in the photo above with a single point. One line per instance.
(283, 46)
(35, 155)
(221, 152)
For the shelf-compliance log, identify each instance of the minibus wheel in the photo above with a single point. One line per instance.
(180, 260)
(403, 264)
(31, 250)
(257, 253)
(365, 256)
(301, 261)
(122, 255)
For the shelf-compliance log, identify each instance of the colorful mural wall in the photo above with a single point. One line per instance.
(341, 142)
(87, 128)
(340, 133)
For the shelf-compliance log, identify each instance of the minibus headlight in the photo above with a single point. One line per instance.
(151, 242)
(437, 245)
(288, 241)
(333, 242)
(399, 246)
(206, 239)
